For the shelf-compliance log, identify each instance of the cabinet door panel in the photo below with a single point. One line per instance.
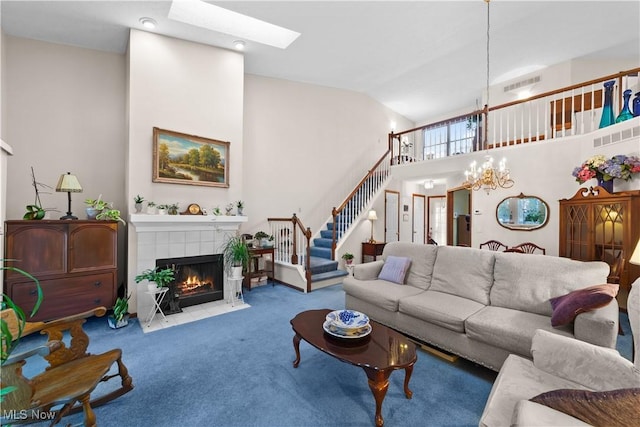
(92, 247)
(64, 297)
(36, 249)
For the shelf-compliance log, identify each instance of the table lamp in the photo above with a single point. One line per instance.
(372, 217)
(68, 184)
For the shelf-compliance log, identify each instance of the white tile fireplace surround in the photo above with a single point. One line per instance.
(173, 236)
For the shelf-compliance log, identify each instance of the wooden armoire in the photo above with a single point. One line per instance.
(74, 260)
(597, 225)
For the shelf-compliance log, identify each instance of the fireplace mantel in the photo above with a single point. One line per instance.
(147, 223)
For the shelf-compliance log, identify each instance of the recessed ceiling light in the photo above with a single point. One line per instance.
(238, 44)
(148, 23)
(215, 18)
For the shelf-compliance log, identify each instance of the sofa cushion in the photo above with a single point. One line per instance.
(518, 380)
(511, 330)
(446, 310)
(422, 260)
(529, 283)
(378, 292)
(394, 269)
(612, 408)
(465, 272)
(567, 307)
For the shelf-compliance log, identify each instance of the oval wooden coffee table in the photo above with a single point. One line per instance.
(379, 353)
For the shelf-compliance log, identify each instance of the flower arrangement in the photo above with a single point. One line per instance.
(620, 166)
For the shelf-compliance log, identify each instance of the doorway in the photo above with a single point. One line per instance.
(437, 219)
(459, 217)
(418, 220)
(391, 216)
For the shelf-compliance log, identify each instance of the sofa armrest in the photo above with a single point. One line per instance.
(531, 414)
(599, 327)
(597, 368)
(367, 271)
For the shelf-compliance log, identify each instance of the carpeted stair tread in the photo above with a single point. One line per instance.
(328, 275)
(322, 265)
(322, 242)
(321, 252)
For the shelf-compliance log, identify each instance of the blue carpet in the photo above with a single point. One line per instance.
(236, 370)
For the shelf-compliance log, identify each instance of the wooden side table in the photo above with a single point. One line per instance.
(372, 249)
(254, 270)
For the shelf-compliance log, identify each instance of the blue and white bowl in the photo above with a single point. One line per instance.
(348, 319)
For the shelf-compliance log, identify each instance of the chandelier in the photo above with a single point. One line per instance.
(487, 176)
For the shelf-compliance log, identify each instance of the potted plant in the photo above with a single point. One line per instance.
(120, 316)
(216, 211)
(348, 258)
(236, 256)
(95, 206)
(228, 209)
(172, 209)
(162, 209)
(138, 203)
(262, 239)
(157, 277)
(240, 206)
(151, 207)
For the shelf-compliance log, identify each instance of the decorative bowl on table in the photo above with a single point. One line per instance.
(347, 324)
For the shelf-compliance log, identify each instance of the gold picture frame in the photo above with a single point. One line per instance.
(179, 158)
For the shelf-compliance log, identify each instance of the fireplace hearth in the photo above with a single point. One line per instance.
(198, 279)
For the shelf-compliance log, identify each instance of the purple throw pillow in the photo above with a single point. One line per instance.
(394, 269)
(567, 307)
(605, 408)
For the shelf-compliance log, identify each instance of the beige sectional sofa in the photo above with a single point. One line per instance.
(479, 304)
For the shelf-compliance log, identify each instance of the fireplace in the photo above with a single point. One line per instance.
(198, 279)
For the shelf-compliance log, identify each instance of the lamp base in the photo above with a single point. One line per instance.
(68, 216)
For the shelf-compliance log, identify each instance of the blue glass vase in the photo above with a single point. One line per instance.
(607, 185)
(608, 118)
(636, 105)
(625, 114)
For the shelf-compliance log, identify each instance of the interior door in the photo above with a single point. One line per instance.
(437, 219)
(459, 205)
(418, 202)
(391, 216)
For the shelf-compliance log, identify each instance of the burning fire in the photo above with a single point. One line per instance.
(192, 283)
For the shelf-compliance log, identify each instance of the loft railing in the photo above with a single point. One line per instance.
(292, 243)
(572, 110)
(351, 208)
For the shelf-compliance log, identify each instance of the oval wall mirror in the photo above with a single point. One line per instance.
(524, 213)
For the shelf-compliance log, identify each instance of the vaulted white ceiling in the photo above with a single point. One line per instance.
(420, 58)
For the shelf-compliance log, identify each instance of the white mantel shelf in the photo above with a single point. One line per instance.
(146, 222)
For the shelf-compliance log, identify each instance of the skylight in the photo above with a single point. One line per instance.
(215, 18)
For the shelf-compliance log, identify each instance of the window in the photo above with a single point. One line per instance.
(452, 137)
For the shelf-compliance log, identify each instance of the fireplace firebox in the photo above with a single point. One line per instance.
(197, 279)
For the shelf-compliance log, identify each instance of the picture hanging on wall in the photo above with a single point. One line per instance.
(179, 158)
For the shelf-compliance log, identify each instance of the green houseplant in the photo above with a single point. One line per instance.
(120, 316)
(157, 277)
(236, 256)
(138, 200)
(348, 258)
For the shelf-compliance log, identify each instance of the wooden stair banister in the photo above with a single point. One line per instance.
(381, 167)
(282, 242)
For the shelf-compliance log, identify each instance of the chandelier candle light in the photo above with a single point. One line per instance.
(487, 176)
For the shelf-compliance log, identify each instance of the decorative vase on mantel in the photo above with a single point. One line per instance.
(608, 118)
(607, 185)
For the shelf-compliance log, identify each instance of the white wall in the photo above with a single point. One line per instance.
(66, 115)
(306, 147)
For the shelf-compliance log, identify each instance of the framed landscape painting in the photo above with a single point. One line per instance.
(179, 158)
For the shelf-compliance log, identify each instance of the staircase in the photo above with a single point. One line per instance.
(324, 270)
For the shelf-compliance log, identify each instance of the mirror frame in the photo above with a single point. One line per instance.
(520, 228)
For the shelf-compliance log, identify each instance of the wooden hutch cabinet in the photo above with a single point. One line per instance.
(596, 225)
(74, 260)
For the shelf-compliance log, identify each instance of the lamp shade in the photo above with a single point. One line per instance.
(69, 184)
(372, 215)
(635, 256)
